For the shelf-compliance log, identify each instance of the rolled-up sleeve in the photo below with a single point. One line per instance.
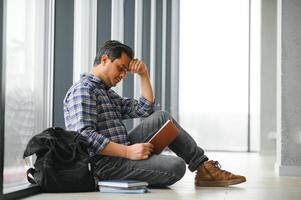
(132, 108)
(80, 109)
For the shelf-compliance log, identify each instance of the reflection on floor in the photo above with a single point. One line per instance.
(262, 183)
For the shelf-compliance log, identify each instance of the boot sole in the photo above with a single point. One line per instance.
(219, 183)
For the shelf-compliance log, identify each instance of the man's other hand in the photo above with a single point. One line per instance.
(139, 151)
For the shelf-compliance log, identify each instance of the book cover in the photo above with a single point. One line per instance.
(134, 190)
(122, 183)
(164, 136)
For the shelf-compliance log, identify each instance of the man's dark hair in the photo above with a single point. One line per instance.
(113, 49)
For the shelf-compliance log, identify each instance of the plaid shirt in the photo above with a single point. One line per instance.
(97, 112)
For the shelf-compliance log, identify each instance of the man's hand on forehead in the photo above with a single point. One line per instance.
(137, 66)
(133, 61)
(128, 67)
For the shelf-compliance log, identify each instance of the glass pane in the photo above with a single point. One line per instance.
(24, 100)
(213, 101)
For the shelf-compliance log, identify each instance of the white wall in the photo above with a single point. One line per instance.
(289, 88)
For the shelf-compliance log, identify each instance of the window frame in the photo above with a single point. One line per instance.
(2, 98)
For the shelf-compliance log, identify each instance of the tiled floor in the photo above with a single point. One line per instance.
(262, 183)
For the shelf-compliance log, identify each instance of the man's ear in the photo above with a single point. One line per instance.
(104, 59)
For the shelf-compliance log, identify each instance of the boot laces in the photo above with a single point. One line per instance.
(219, 166)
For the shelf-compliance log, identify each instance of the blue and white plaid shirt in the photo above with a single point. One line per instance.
(96, 112)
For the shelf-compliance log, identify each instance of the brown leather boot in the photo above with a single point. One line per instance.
(210, 174)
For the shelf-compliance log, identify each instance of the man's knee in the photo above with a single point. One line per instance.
(178, 170)
(163, 114)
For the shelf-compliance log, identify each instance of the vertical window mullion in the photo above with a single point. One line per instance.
(117, 30)
(168, 56)
(138, 45)
(85, 15)
(49, 61)
(63, 56)
(103, 22)
(152, 66)
(2, 96)
(129, 39)
(158, 56)
(164, 35)
(174, 63)
(146, 31)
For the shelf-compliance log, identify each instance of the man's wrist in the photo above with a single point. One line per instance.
(126, 151)
(144, 75)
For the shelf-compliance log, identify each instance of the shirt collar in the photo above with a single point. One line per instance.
(96, 80)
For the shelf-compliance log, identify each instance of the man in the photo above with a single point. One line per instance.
(94, 110)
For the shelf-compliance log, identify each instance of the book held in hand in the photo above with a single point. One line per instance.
(164, 136)
(123, 183)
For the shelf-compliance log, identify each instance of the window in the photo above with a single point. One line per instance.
(214, 65)
(26, 84)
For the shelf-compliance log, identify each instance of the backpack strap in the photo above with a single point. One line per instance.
(30, 175)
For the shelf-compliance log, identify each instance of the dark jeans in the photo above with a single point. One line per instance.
(159, 170)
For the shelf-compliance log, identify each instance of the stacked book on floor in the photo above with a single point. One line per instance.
(122, 186)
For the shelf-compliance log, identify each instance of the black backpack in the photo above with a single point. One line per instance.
(63, 163)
